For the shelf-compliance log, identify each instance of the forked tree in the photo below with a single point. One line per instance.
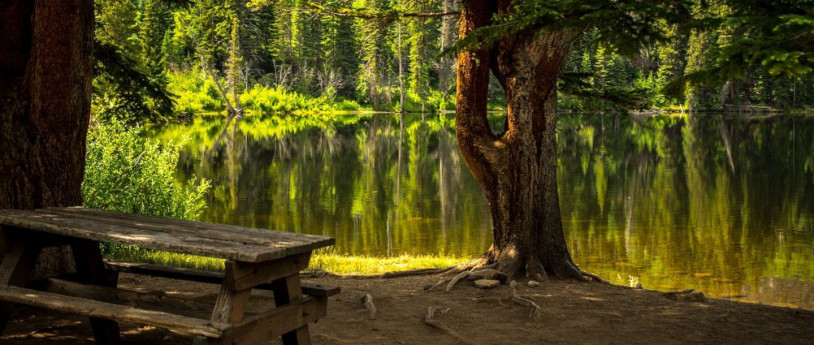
(525, 44)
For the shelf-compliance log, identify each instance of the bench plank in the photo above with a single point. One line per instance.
(154, 300)
(178, 323)
(206, 276)
(214, 240)
(277, 322)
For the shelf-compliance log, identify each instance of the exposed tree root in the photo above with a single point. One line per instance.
(456, 279)
(595, 277)
(430, 320)
(534, 312)
(439, 283)
(487, 273)
(415, 272)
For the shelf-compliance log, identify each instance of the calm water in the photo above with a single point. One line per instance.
(722, 205)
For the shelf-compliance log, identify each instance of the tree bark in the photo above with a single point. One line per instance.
(516, 168)
(45, 94)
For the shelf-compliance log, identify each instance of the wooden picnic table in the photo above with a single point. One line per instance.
(255, 258)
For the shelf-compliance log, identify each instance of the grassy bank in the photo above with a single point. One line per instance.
(330, 262)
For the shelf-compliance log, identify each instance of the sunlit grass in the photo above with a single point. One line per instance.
(363, 264)
(334, 263)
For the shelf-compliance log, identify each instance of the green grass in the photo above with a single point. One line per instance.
(334, 263)
(369, 265)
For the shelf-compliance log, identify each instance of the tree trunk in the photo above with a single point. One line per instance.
(517, 168)
(45, 93)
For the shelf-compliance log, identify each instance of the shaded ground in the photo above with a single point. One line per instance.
(570, 313)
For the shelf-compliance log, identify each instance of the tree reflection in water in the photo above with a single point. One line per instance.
(723, 205)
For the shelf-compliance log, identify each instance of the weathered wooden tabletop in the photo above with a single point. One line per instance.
(206, 239)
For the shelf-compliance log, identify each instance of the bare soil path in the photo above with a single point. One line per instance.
(570, 313)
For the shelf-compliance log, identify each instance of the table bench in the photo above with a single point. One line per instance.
(255, 259)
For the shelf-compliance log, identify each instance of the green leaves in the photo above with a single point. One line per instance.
(127, 173)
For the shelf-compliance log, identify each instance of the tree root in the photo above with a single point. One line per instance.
(487, 273)
(439, 283)
(415, 272)
(595, 277)
(430, 320)
(534, 312)
(456, 279)
(367, 300)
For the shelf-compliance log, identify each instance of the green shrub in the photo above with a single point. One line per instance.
(198, 95)
(127, 173)
(195, 95)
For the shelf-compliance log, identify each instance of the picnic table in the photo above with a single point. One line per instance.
(255, 258)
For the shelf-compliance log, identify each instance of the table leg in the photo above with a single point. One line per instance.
(231, 303)
(286, 290)
(91, 269)
(18, 262)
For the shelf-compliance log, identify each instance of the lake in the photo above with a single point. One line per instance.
(718, 204)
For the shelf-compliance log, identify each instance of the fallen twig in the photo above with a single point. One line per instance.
(430, 320)
(369, 306)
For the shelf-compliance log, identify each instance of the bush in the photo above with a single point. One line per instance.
(195, 95)
(127, 173)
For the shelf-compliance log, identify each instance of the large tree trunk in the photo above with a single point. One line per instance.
(517, 168)
(45, 90)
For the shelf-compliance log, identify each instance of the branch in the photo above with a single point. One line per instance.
(430, 320)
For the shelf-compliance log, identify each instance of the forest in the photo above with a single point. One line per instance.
(406, 171)
(157, 60)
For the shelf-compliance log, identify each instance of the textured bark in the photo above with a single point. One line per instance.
(45, 90)
(516, 168)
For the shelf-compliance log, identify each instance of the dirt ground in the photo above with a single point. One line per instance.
(570, 313)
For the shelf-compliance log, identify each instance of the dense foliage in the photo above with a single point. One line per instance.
(161, 58)
(127, 173)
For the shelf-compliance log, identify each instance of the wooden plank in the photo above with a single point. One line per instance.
(91, 269)
(156, 238)
(206, 276)
(18, 262)
(177, 323)
(91, 230)
(287, 290)
(186, 224)
(248, 236)
(154, 300)
(231, 303)
(248, 275)
(276, 322)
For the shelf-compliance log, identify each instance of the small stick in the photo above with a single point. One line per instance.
(369, 306)
(430, 320)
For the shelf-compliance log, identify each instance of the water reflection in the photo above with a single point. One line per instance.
(722, 205)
